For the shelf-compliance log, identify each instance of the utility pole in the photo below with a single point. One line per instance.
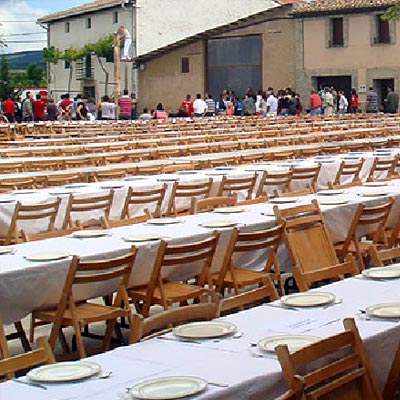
(117, 71)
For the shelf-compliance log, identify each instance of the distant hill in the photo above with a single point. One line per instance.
(20, 60)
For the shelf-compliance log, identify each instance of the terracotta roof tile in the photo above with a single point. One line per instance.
(326, 6)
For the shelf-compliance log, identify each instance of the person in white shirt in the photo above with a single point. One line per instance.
(107, 109)
(272, 104)
(343, 103)
(199, 106)
(126, 36)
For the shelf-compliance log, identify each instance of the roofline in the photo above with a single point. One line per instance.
(312, 14)
(75, 11)
(235, 25)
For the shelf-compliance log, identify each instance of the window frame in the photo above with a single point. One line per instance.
(375, 31)
(329, 26)
(67, 27)
(115, 17)
(185, 65)
(89, 23)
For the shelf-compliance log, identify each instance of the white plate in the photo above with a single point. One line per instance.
(90, 233)
(204, 330)
(142, 237)
(6, 250)
(7, 199)
(47, 256)
(24, 191)
(224, 168)
(219, 223)
(134, 178)
(293, 342)
(168, 179)
(163, 221)
(373, 192)
(308, 299)
(386, 310)
(375, 184)
(382, 272)
(333, 201)
(283, 200)
(112, 185)
(186, 172)
(75, 185)
(170, 387)
(64, 371)
(228, 210)
(331, 192)
(61, 191)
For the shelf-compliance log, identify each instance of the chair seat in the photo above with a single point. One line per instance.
(243, 277)
(85, 312)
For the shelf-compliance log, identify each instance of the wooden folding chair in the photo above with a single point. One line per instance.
(12, 167)
(348, 171)
(382, 169)
(187, 191)
(62, 179)
(372, 220)
(222, 161)
(77, 312)
(211, 203)
(381, 257)
(166, 292)
(110, 174)
(241, 186)
(233, 277)
(153, 198)
(43, 165)
(77, 162)
(87, 206)
(115, 223)
(32, 213)
(150, 169)
(273, 181)
(41, 356)
(304, 231)
(307, 175)
(160, 323)
(8, 184)
(31, 237)
(115, 159)
(392, 386)
(343, 370)
(177, 167)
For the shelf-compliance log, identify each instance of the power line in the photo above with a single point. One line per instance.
(24, 34)
(26, 41)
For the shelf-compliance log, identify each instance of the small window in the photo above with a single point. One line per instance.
(67, 64)
(382, 30)
(185, 67)
(88, 23)
(67, 27)
(336, 30)
(115, 17)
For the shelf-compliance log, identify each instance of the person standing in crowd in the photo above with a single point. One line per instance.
(145, 116)
(249, 104)
(127, 40)
(237, 106)
(38, 108)
(66, 107)
(211, 108)
(187, 105)
(133, 106)
(107, 108)
(199, 106)
(82, 110)
(18, 109)
(9, 109)
(343, 103)
(391, 101)
(372, 101)
(125, 106)
(27, 108)
(353, 101)
(52, 110)
(292, 104)
(160, 113)
(299, 106)
(272, 102)
(315, 104)
(329, 103)
(283, 103)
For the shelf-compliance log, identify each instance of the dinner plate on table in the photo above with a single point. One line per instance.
(172, 178)
(222, 168)
(376, 184)
(169, 387)
(221, 223)
(390, 272)
(283, 200)
(47, 256)
(24, 191)
(228, 210)
(6, 250)
(76, 185)
(164, 221)
(69, 371)
(293, 342)
(204, 330)
(330, 192)
(7, 199)
(58, 191)
(186, 172)
(142, 237)
(90, 233)
(373, 192)
(308, 299)
(134, 178)
(112, 185)
(385, 310)
(331, 201)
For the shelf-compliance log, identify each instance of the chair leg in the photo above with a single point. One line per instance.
(63, 341)
(79, 341)
(32, 329)
(22, 336)
(108, 334)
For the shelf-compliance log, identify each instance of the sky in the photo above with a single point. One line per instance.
(17, 22)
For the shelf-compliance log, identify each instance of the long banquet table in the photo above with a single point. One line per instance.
(234, 362)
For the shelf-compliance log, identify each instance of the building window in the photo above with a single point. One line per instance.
(336, 32)
(67, 27)
(88, 67)
(67, 64)
(88, 23)
(185, 65)
(382, 30)
(115, 17)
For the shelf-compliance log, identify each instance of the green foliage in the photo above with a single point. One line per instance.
(392, 13)
(35, 73)
(6, 87)
(51, 55)
(20, 79)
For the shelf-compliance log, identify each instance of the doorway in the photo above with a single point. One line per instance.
(338, 82)
(380, 85)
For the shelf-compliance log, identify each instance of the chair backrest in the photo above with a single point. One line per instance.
(297, 392)
(176, 167)
(222, 161)
(31, 237)
(206, 310)
(115, 223)
(152, 198)
(381, 257)
(77, 162)
(338, 374)
(232, 185)
(88, 205)
(42, 355)
(109, 174)
(275, 180)
(62, 179)
(306, 174)
(17, 183)
(12, 167)
(211, 203)
(149, 169)
(382, 169)
(32, 213)
(40, 165)
(349, 171)
(187, 191)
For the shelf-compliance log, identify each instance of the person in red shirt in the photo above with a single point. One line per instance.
(353, 101)
(187, 105)
(66, 107)
(8, 109)
(125, 106)
(38, 108)
(315, 104)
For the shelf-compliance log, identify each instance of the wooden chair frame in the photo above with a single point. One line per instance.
(211, 203)
(232, 185)
(275, 180)
(348, 169)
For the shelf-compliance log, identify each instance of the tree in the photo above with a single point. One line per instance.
(35, 74)
(6, 87)
(71, 55)
(392, 13)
